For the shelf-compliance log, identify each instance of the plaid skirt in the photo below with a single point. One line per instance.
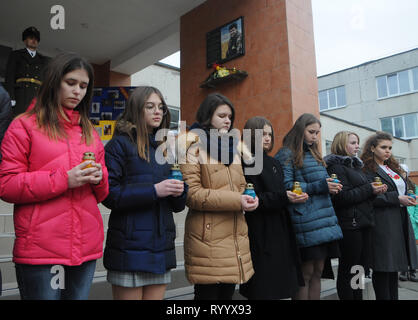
(137, 279)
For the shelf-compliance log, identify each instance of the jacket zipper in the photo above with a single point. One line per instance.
(240, 267)
(72, 206)
(354, 222)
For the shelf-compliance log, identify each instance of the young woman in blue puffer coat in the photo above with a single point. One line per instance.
(315, 223)
(140, 250)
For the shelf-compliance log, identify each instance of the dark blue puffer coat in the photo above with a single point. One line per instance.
(314, 221)
(141, 230)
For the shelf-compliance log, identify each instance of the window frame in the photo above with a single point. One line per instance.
(411, 84)
(402, 116)
(336, 96)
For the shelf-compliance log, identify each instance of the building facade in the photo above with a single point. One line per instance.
(380, 95)
(166, 78)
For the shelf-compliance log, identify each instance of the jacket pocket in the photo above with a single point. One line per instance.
(207, 227)
(32, 226)
(300, 209)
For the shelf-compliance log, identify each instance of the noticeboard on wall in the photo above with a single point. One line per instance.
(225, 43)
(108, 103)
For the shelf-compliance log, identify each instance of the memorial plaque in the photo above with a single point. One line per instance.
(225, 43)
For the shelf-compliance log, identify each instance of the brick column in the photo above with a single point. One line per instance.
(106, 78)
(279, 58)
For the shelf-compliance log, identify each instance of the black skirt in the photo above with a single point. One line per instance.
(320, 252)
(324, 251)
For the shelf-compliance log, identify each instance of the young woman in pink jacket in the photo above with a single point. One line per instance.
(58, 225)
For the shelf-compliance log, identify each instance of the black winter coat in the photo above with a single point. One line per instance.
(274, 250)
(354, 204)
(393, 240)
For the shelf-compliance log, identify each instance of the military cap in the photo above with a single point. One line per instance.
(31, 31)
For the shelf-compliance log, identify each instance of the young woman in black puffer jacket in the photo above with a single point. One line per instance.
(354, 209)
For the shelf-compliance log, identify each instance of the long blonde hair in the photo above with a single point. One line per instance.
(339, 144)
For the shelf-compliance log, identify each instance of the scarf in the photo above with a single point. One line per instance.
(223, 145)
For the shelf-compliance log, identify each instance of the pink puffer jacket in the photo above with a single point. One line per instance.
(53, 224)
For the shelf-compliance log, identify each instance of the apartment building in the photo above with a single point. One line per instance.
(377, 95)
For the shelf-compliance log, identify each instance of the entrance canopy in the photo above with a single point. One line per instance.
(131, 34)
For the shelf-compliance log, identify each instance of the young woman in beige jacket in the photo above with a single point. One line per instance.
(216, 246)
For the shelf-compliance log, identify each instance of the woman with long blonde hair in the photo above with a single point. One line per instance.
(354, 209)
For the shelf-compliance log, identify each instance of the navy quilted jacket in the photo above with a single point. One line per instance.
(141, 230)
(314, 221)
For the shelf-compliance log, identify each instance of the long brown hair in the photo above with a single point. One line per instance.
(367, 156)
(132, 119)
(259, 123)
(295, 137)
(48, 109)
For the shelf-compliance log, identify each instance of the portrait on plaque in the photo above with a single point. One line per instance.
(231, 40)
(225, 43)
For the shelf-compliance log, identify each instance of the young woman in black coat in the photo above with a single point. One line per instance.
(274, 251)
(393, 240)
(354, 209)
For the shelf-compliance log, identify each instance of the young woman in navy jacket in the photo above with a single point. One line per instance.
(140, 250)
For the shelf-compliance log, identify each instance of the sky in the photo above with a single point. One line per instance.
(351, 32)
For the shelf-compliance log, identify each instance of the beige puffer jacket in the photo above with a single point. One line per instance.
(216, 244)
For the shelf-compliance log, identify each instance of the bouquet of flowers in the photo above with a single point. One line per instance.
(221, 73)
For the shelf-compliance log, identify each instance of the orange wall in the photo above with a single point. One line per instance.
(103, 77)
(279, 58)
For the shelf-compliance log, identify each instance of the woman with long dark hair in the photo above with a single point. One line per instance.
(140, 250)
(57, 222)
(314, 221)
(274, 251)
(354, 209)
(216, 247)
(393, 241)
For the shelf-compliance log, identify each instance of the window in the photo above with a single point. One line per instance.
(323, 100)
(404, 126)
(415, 78)
(340, 96)
(332, 98)
(404, 82)
(386, 125)
(382, 90)
(411, 125)
(395, 84)
(174, 117)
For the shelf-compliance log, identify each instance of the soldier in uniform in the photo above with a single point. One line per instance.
(24, 71)
(235, 41)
